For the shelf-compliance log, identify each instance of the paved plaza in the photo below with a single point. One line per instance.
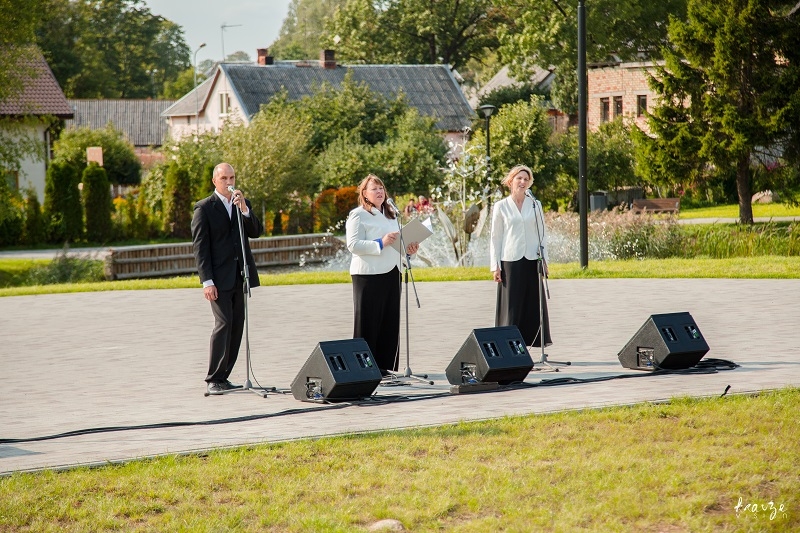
(73, 363)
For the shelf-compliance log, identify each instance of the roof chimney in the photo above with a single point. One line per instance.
(327, 59)
(263, 58)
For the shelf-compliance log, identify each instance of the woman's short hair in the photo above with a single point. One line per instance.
(514, 171)
(366, 204)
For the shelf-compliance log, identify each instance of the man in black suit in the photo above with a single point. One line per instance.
(218, 251)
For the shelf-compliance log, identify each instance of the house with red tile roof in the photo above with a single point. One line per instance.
(31, 116)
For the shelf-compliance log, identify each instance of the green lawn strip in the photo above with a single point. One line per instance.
(732, 211)
(683, 465)
(14, 271)
(738, 267)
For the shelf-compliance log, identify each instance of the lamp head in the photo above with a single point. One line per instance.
(487, 110)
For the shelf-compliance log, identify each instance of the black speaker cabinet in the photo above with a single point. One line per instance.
(337, 370)
(668, 341)
(491, 355)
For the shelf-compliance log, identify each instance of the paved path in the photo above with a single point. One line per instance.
(72, 362)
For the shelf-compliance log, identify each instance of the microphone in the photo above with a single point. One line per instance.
(529, 194)
(232, 190)
(390, 202)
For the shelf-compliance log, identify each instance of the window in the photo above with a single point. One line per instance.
(224, 103)
(617, 106)
(604, 110)
(641, 105)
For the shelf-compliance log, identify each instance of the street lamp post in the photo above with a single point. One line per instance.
(583, 195)
(196, 99)
(486, 111)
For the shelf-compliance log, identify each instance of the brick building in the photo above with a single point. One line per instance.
(619, 89)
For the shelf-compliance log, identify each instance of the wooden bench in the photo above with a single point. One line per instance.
(656, 205)
(175, 259)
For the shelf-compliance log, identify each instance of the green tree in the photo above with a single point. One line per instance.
(177, 202)
(181, 85)
(96, 203)
(62, 203)
(740, 81)
(408, 159)
(519, 135)
(18, 18)
(271, 155)
(610, 155)
(414, 31)
(301, 34)
(111, 48)
(352, 110)
(544, 34)
(119, 157)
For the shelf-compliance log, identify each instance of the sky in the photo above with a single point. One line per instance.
(253, 24)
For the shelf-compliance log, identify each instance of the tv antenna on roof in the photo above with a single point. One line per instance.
(222, 28)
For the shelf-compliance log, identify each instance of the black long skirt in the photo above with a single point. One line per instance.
(518, 297)
(376, 305)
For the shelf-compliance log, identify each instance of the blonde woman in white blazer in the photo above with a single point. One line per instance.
(375, 271)
(518, 240)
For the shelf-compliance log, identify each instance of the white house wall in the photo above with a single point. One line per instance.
(33, 168)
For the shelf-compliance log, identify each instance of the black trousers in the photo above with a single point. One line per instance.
(228, 310)
(376, 305)
(518, 297)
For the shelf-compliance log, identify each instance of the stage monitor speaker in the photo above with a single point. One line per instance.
(669, 341)
(491, 355)
(337, 371)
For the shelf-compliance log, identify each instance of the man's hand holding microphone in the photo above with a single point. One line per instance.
(237, 199)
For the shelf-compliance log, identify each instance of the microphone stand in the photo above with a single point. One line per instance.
(407, 373)
(248, 385)
(544, 289)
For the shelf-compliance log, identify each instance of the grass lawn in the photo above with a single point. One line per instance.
(738, 267)
(717, 465)
(732, 211)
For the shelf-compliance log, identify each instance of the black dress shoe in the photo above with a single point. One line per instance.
(227, 385)
(215, 388)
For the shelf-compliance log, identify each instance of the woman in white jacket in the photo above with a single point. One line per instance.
(517, 246)
(375, 270)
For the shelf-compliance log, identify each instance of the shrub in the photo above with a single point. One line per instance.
(177, 202)
(131, 218)
(332, 207)
(97, 203)
(11, 220)
(62, 203)
(325, 210)
(67, 269)
(346, 201)
(34, 231)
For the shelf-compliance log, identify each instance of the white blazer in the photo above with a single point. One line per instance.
(363, 228)
(515, 234)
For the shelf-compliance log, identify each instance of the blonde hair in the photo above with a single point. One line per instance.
(366, 204)
(513, 173)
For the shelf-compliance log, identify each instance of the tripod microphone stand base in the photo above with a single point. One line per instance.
(394, 379)
(422, 378)
(549, 364)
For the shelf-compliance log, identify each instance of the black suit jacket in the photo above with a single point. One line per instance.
(216, 244)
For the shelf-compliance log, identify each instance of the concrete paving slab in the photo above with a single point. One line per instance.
(126, 359)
